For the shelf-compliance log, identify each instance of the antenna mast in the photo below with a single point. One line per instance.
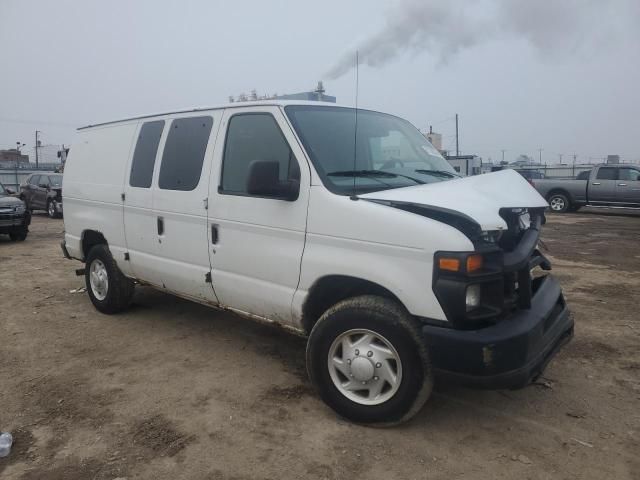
(355, 131)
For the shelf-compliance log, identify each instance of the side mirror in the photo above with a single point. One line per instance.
(264, 180)
(10, 191)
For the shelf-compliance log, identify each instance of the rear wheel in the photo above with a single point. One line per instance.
(109, 290)
(559, 203)
(51, 208)
(368, 362)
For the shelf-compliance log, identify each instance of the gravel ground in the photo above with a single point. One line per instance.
(172, 389)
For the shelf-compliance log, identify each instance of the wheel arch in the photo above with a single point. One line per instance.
(331, 289)
(559, 191)
(89, 239)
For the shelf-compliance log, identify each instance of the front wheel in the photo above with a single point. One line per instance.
(368, 361)
(109, 290)
(559, 203)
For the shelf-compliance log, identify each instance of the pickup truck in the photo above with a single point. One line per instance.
(604, 185)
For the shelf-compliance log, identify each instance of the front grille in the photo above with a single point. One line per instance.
(512, 236)
(516, 243)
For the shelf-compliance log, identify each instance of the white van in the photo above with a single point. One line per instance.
(344, 225)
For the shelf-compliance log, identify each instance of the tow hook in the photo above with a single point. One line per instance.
(80, 271)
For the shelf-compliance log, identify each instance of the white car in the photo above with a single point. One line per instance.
(345, 225)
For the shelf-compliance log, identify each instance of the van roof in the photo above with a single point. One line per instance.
(275, 102)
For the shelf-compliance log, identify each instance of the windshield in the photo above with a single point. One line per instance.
(389, 152)
(55, 180)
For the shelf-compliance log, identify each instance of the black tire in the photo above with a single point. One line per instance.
(120, 288)
(51, 211)
(19, 236)
(559, 203)
(386, 318)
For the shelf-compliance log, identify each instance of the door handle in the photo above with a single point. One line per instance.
(622, 184)
(595, 183)
(160, 226)
(214, 233)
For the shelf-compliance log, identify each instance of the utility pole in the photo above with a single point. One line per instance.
(457, 143)
(560, 157)
(503, 154)
(573, 170)
(19, 145)
(540, 156)
(37, 145)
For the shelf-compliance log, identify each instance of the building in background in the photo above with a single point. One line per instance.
(435, 139)
(466, 165)
(317, 95)
(613, 158)
(9, 158)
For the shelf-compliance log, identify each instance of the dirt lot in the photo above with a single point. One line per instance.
(176, 390)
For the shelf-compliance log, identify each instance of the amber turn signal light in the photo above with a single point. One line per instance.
(474, 263)
(449, 264)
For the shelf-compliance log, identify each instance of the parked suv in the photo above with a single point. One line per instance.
(357, 234)
(43, 191)
(14, 216)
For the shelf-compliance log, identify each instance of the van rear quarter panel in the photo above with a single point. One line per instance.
(93, 185)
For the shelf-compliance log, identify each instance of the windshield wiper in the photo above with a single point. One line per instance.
(438, 173)
(372, 173)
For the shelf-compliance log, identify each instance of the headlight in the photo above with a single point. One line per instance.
(473, 297)
(20, 209)
(492, 236)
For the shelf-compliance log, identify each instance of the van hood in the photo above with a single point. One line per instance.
(479, 198)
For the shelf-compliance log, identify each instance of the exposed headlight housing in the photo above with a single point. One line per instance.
(492, 236)
(20, 209)
(472, 299)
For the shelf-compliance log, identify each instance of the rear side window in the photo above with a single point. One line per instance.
(629, 174)
(184, 153)
(251, 137)
(144, 156)
(607, 173)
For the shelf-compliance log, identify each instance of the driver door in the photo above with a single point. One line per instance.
(256, 242)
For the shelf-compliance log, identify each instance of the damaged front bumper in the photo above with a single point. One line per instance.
(508, 354)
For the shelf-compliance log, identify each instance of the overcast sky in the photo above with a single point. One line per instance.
(559, 75)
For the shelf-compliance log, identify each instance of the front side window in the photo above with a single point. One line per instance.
(144, 156)
(44, 181)
(183, 154)
(388, 152)
(254, 137)
(629, 174)
(34, 180)
(607, 173)
(55, 180)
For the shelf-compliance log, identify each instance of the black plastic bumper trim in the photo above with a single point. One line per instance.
(519, 257)
(508, 354)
